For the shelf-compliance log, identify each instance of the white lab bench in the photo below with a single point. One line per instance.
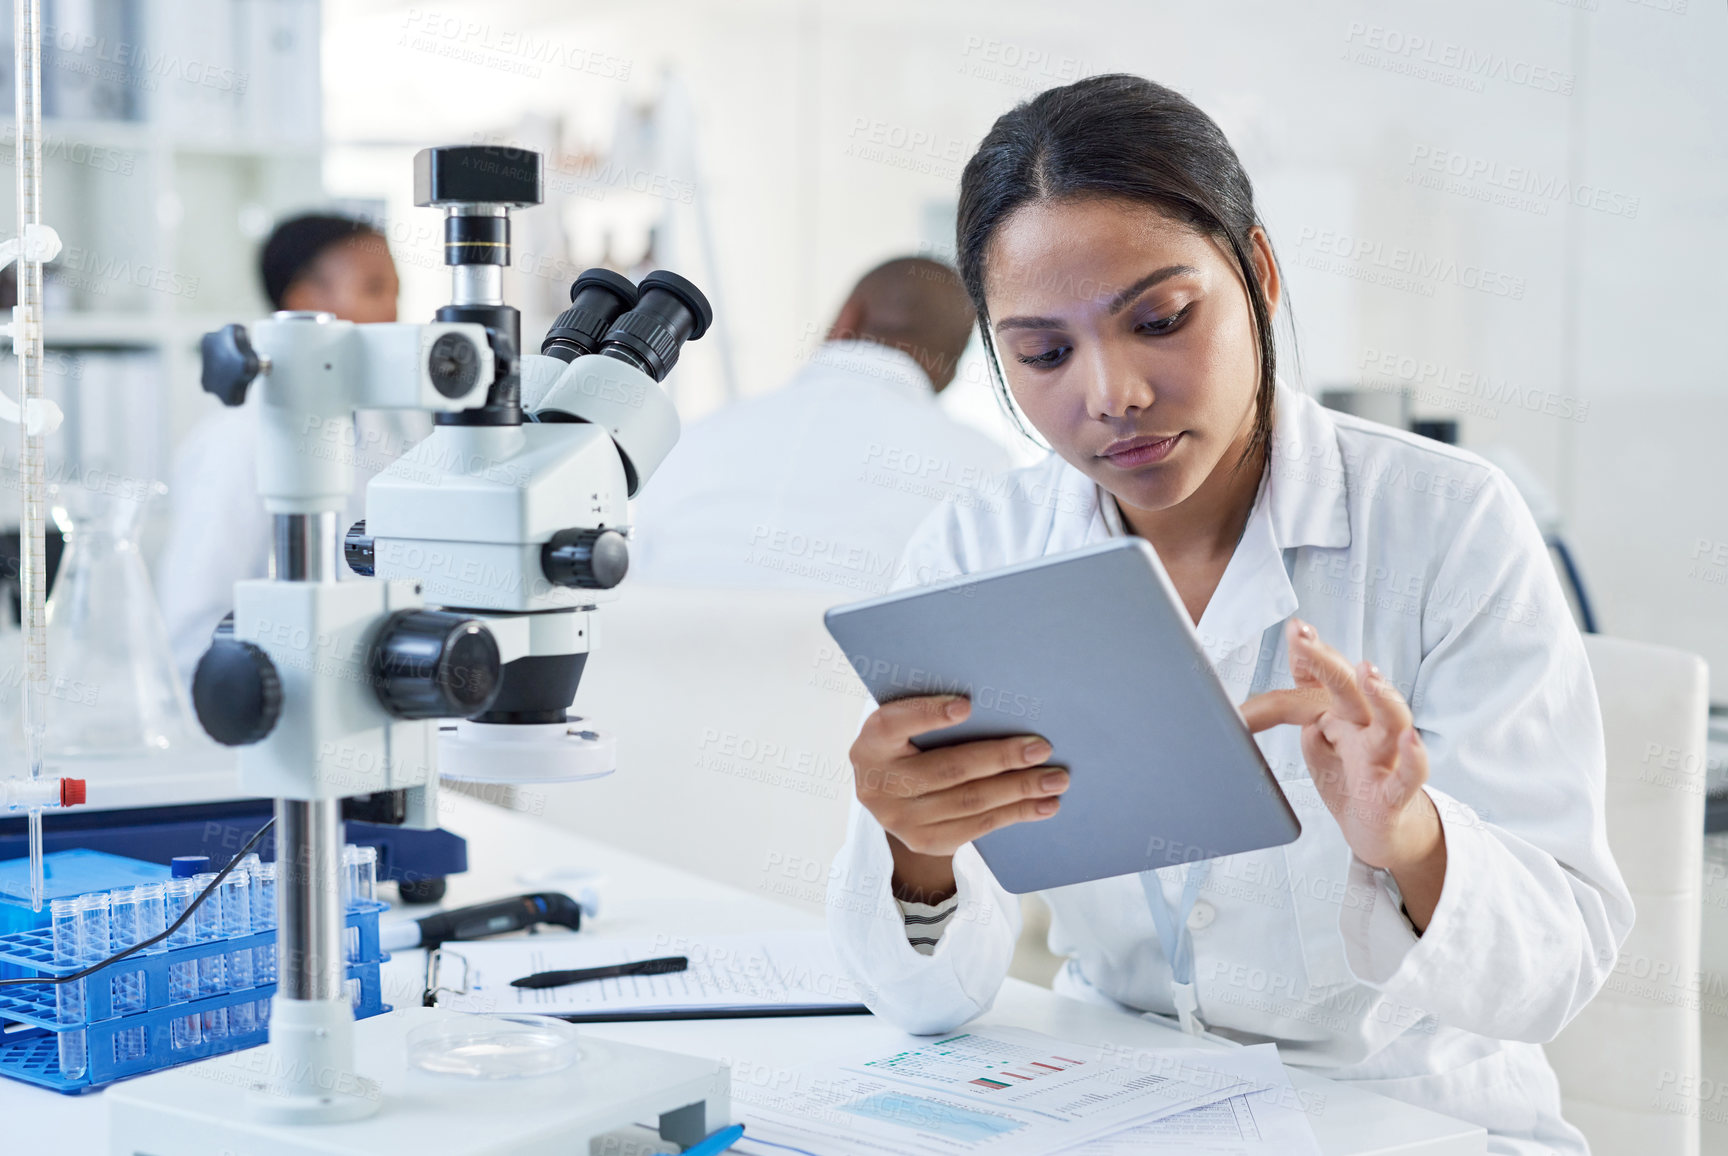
(510, 853)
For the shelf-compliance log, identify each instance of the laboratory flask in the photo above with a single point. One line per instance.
(113, 687)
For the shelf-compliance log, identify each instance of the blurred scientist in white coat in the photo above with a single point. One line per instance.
(1451, 902)
(819, 483)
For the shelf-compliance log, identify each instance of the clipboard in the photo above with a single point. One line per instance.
(731, 977)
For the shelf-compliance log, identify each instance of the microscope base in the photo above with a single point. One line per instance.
(202, 1109)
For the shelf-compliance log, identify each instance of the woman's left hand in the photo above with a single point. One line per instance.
(1366, 760)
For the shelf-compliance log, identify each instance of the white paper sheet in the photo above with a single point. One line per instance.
(759, 972)
(995, 1092)
(1271, 1121)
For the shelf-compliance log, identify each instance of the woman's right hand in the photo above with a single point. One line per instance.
(933, 802)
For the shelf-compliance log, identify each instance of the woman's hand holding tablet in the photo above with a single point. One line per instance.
(1359, 740)
(933, 802)
(1154, 766)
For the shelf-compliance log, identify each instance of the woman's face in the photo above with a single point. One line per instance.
(354, 278)
(1128, 340)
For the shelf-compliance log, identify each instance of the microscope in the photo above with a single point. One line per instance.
(489, 545)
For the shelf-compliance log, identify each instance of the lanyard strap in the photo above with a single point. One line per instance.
(1174, 935)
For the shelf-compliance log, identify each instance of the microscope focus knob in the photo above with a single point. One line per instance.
(230, 363)
(236, 692)
(433, 664)
(590, 559)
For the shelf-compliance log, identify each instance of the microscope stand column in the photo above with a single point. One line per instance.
(305, 547)
(311, 1077)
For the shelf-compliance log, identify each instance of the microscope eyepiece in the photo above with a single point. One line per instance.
(597, 299)
(669, 311)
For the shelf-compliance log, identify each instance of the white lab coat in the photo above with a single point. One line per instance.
(219, 532)
(816, 485)
(1423, 559)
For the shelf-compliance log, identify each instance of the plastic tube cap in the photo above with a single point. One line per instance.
(186, 866)
(71, 792)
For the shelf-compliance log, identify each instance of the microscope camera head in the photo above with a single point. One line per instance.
(477, 186)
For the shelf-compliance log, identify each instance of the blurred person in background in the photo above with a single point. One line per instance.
(220, 532)
(819, 484)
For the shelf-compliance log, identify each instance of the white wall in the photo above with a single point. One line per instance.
(1606, 315)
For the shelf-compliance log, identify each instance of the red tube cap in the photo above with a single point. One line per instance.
(71, 792)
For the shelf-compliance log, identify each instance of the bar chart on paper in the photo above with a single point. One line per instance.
(998, 1064)
(999, 1091)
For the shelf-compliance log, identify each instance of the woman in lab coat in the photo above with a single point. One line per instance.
(1451, 902)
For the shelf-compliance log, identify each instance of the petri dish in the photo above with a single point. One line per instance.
(494, 1047)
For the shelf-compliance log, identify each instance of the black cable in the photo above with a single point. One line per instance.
(170, 930)
(1586, 616)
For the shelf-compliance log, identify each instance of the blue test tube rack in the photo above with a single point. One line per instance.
(32, 1053)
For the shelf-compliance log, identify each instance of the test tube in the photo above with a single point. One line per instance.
(350, 896)
(93, 935)
(178, 894)
(236, 894)
(152, 915)
(69, 997)
(264, 919)
(152, 921)
(365, 874)
(253, 865)
(350, 868)
(212, 974)
(125, 984)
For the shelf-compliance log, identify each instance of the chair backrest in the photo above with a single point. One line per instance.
(1629, 1064)
(733, 712)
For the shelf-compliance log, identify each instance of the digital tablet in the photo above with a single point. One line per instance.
(1093, 650)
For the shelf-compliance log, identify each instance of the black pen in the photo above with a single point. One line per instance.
(659, 966)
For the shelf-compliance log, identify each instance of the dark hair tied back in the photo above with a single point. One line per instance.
(1120, 137)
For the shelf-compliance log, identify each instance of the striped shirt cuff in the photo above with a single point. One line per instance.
(925, 922)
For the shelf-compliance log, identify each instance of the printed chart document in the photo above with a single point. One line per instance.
(996, 1091)
(778, 974)
(1270, 1121)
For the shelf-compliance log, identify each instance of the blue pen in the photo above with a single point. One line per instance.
(717, 1143)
